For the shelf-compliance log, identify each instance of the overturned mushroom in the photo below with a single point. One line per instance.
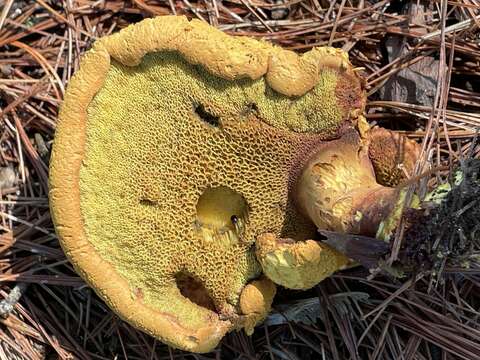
(176, 147)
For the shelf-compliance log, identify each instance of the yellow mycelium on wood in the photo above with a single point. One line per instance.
(165, 119)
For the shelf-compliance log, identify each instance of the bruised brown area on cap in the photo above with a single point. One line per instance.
(348, 92)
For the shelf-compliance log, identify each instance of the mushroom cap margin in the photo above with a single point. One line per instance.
(64, 196)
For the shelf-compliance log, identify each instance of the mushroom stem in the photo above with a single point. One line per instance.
(338, 190)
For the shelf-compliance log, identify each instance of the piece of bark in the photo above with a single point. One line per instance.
(415, 84)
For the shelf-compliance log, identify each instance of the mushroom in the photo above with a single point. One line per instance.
(176, 147)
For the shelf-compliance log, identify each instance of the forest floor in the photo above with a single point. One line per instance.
(421, 64)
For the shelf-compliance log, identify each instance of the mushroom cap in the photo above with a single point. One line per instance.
(176, 146)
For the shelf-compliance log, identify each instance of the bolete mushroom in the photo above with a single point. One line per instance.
(176, 147)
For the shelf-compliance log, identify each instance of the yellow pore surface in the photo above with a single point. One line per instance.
(162, 133)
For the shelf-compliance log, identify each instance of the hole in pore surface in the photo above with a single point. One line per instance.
(194, 290)
(249, 109)
(221, 215)
(206, 116)
(148, 202)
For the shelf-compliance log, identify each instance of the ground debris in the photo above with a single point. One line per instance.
(416, 83)
(446, 233)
